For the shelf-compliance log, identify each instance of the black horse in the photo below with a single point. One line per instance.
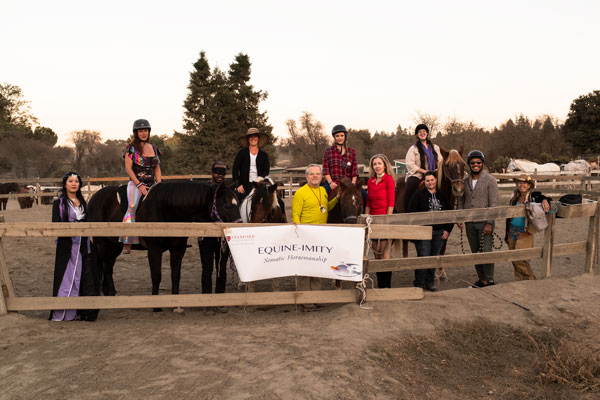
(6, 188)
(166, 202)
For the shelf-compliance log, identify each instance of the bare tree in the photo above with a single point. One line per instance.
(433, 122)
(307, 142)
(86, 143)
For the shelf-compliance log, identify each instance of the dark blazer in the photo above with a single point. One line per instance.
(241, 166)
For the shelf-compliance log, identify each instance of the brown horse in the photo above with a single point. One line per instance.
(25, 202)
(261, 206)
(450, 183)
(350, 205)
(6, 188)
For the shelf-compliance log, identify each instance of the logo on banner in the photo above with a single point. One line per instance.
(347, 270)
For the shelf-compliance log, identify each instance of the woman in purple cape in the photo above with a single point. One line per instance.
(73, 275)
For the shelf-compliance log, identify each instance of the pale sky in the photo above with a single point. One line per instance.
(101, 65)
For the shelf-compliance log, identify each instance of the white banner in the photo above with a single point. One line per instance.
(305, 250)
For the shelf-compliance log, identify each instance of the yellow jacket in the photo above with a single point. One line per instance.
(306, 205)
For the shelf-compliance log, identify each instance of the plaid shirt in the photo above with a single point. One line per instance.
(337, 165)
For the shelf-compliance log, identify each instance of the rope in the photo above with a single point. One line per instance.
(362, 287)
(369, 230)
(494, 295)
(481, 242)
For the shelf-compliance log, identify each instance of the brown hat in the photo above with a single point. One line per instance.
(263, 138)
(525, 178)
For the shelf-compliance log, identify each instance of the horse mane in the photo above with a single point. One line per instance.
(453, 157)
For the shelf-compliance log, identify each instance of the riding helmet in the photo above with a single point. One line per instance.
(475, 154)
(421, 126)
(339, 128)
(141, 124)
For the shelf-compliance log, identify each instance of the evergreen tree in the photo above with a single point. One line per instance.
(582, 127)
(218, 109)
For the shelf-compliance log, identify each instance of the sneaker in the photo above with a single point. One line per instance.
(431, 288)
(220, 310)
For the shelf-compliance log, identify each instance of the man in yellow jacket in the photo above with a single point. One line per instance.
(310, 206)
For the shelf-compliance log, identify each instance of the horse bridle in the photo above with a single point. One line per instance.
(214, 214)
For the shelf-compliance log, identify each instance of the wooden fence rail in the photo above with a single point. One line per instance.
(401, 226)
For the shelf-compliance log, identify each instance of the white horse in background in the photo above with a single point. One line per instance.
(531, 167)
(578, 167)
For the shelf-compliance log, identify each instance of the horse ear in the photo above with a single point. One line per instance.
(273, 187)
(254, 185)
(359, 184)
(444, 153)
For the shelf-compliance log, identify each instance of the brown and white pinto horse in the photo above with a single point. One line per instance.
(261, 206)
(450, 183)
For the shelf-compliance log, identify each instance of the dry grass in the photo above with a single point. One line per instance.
(482, 358)
(568, 363)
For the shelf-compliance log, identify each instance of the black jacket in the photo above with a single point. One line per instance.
(89, 281)
(421, 202)
(241, 166)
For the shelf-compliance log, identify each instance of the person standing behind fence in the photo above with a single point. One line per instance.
(430, 199)
(73, 275)
(214, 252)
(311, 206)
(481, 191)
(339, 160)
(421, 157)
(142, 164)
(519, 234)
(381, 195)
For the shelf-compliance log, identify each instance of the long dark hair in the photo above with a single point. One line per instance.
(137, 143)
(422, 153)
(62, 194)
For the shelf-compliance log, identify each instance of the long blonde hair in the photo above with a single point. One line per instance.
(386, 163)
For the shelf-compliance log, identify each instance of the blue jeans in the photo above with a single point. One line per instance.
(424, 277)
(485, 272)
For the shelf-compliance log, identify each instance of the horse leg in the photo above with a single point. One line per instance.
(106, 256)
(250, 287)
(155, 263)
(276, 285)
(176, 258)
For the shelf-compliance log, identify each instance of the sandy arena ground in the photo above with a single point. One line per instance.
(281, 352)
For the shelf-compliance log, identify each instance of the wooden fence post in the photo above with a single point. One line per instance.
(291, 186)
(6, 288)
(592, 241)
(548, 246)
(89, 190)
(38, 190)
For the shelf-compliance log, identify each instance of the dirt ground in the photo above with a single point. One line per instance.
(454, 344)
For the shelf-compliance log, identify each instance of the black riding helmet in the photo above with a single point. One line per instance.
(339, 128)
(475, 154)
(421, 126)
(141, 124)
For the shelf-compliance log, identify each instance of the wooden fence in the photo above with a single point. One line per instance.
(589, 209)
(551, 183)
(10, 302)
(399, 226)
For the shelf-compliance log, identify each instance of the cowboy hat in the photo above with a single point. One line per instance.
(263, 138)
(525, 178)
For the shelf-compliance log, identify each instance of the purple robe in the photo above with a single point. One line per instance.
(71, 277)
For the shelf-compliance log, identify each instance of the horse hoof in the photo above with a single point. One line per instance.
(157, 309)
(178, 310)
